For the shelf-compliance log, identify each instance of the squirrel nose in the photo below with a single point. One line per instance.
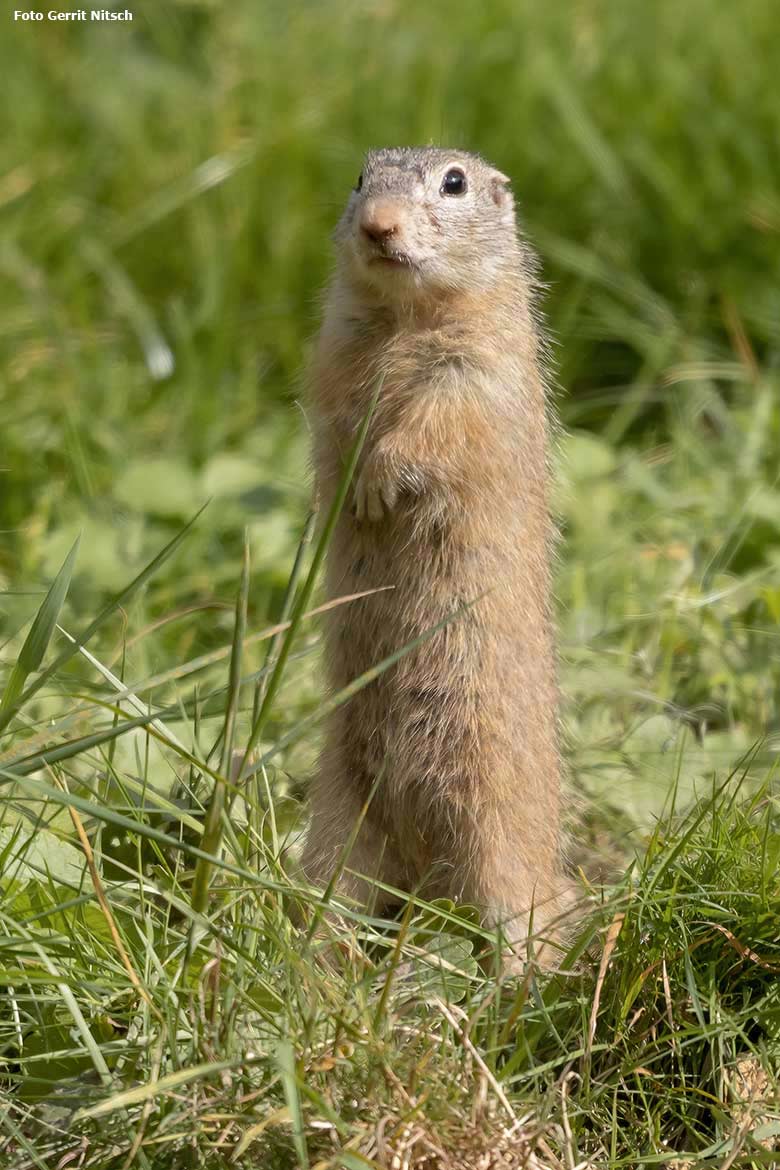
(379, 222)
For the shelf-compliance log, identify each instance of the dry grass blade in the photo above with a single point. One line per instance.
(100, 894)
(141, 1093)
(203, 661)
(613, 930)
(468, 1044)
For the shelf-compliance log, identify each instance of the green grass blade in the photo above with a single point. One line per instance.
(346, 693)
(75, 747)
(18, 1136)
(287, 604)
(304, 596)
(234, 674)
(111, 607)
(129, 697)
(286, 1060)
(39, 790)
(212, 828)
(37, 640)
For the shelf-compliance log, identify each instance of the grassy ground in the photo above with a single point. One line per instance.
(166, 190)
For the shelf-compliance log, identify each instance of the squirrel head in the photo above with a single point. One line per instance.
(425, 221)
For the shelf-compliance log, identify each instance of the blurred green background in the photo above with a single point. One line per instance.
(167, 190)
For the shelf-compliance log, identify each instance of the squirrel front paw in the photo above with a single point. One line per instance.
(376, 489)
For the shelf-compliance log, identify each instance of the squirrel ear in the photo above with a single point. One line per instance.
(501, 188)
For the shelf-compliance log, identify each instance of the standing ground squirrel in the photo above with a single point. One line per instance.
(433, 295)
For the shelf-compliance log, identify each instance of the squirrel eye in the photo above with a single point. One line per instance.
(359, 183)
(453, 183)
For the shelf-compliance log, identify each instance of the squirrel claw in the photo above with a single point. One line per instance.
(374, 496)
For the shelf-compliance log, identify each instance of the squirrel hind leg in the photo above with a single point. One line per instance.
(522, 895)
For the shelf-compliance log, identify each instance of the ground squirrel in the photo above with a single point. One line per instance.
(434, 294)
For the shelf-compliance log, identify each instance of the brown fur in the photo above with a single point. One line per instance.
(449, 508)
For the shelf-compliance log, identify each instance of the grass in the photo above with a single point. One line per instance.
(166, 191)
